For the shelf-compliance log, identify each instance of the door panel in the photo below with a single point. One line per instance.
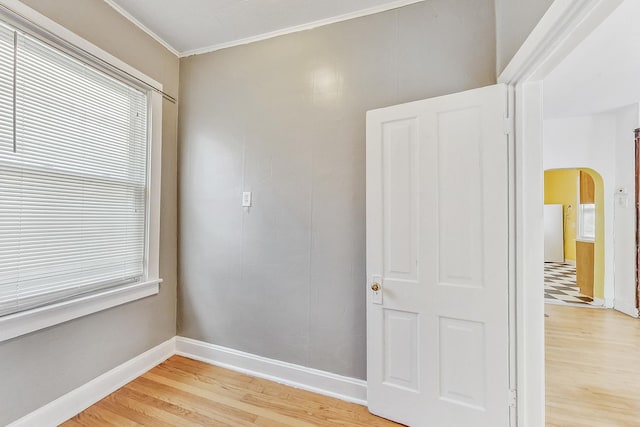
(437, 247)
(401, 346)
(460, 250)
(463, 379)
(399, 145)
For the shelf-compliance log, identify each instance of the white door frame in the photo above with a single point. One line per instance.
(561, 29)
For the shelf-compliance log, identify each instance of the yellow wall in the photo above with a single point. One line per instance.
(561, 188)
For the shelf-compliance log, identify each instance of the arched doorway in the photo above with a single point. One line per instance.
(574, 203)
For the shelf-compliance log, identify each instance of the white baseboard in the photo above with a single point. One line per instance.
(76, 401)
(314, 380)
(628, 309)
(574, 304)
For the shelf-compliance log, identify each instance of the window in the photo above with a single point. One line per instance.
(76, 193)
(586, 207)
(587, 221)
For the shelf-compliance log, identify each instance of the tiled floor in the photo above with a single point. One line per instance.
(560, 285)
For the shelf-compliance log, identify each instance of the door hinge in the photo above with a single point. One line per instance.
(508, 125)
(513, 398)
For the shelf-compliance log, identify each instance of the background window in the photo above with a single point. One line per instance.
(587, 221)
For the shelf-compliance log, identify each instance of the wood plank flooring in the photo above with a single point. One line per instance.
(593, 368)
(593, 380)
(184, 392)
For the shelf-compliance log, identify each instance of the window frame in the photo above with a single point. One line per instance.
(43, 28)
(582, 237)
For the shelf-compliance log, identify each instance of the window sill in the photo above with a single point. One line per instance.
(585, 240)
(15, 325)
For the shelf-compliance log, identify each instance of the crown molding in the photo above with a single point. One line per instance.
(289, 30)
(565, 24)
(143, 27)
(303, 27)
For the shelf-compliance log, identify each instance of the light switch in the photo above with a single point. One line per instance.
(246, 199)
(623, 201)
(622, 197)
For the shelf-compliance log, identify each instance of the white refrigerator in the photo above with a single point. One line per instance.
(553, 233)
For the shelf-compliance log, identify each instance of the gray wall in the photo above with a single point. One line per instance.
(515, 19)
(39, 367)
(285, 118)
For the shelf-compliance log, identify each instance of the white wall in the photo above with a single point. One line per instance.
(515, 19)
(603, 142)
(285, 119)
(601, 73)
(625, 242)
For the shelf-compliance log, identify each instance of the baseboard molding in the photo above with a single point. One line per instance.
(76, 401)
(314, 380)
(599, 302)
(628, 309)
(574, 304)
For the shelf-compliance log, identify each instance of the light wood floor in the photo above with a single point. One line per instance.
(593, 380)
(593, 368)
(184, 392)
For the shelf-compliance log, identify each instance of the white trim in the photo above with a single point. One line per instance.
(564, 26)
(17, 324)
(322, 382)
(599, 302)
(529, 256)
(585, 240)
(303, 27)
(574, 304)
(141, 26)
(314, 380)
(625, 308)
(513, 348)
(76, 401)
(154, 186)
(58, 30)
(22, 323)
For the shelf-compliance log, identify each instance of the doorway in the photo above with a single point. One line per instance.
(560, 33)
(591, 125)
(574, 237)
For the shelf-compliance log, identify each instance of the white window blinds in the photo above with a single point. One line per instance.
(6, 88)
(73, 176)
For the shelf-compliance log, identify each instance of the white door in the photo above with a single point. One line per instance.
(437, 253)
(553, 233)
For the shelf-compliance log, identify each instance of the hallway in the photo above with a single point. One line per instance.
(592, 367)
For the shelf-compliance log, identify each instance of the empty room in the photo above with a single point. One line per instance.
(314, 213)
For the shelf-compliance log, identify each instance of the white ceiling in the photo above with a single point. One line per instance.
(196, 26)
(602, 73)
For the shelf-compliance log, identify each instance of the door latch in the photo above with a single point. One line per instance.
(376, 290)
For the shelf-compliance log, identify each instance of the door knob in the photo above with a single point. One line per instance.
(375, 287)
